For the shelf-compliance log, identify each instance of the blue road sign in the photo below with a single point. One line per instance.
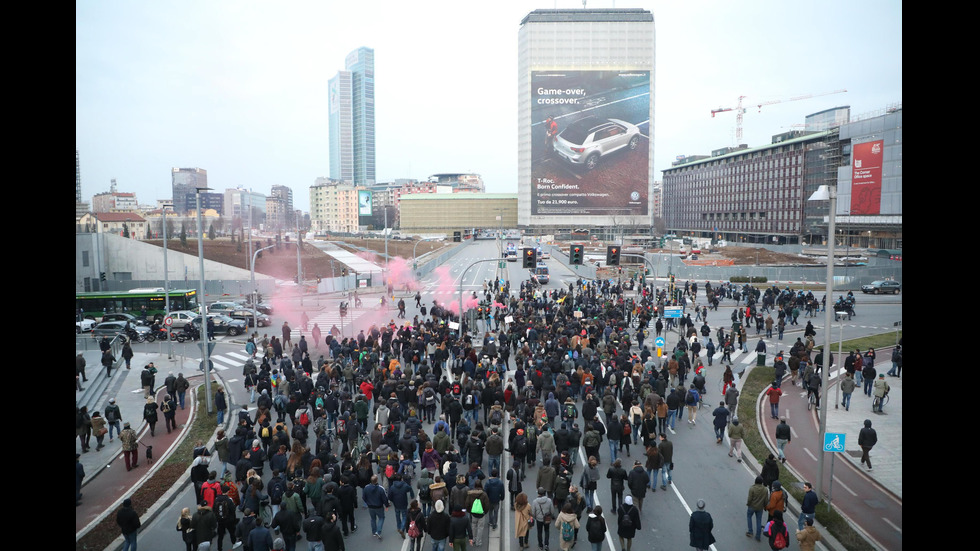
(660, 342)
(672, 311)
(834, 441)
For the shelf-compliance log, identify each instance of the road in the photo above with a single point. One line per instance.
(703, 468)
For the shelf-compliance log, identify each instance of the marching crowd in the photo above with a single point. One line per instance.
(416, 418)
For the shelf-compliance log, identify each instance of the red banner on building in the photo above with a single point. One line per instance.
(866, 178)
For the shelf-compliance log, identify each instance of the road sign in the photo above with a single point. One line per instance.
(168, 321)
(660, 342)
(672, 312)
(834, 441)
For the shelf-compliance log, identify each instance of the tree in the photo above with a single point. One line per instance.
(125, 230)
(211, 232)
(183, 235)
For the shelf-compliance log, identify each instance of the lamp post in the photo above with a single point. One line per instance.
(206, 361)
(824, 193)
(166, 283)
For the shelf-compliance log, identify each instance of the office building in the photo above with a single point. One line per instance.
(285, 195)
(585, 114)
(351, 91)
(185, 182)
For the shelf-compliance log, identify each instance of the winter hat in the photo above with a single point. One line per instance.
(439, 506)
(628, 500)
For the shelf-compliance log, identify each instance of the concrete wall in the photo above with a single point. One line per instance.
(129, 259)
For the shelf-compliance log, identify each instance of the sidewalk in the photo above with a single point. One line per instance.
(106, 479)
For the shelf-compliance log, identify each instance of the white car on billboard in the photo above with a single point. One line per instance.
(587, 140)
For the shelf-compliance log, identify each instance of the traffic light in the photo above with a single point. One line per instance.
(529, 258)
(575, 255)
(457, 237)
(344, 272)
(612, 255)
(102, 276)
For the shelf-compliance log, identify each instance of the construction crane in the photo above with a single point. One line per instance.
(740, 110)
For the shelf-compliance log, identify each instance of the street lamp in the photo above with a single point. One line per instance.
(166, 283)
(825, 193)
(206, 361)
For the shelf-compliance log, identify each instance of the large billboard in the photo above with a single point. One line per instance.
(866, 177)
(364, 203)
(590, 144)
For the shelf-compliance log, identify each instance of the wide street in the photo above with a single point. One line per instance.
(703, 469)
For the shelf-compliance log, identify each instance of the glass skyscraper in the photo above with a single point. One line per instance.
(352, 119)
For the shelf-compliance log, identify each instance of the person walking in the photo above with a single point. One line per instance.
(881, 389)
(721, 415)
(376, 500)
(808, 507)
(867, 438)
(783, 437)
(774, 392)
(756, 503)
(700, 527)
(150, 414)
(895, 371)
(523, 519)
(596, 529)
(129, 524)
(628, 523)
(778, 532)
(847, 386)
(543, 512)
(130, 446)
(808, 537)
(736, 433)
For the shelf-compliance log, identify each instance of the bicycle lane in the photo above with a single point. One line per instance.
(866, 502)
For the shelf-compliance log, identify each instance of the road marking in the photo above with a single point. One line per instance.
(842, 485)
(896, 528)
(807, 450)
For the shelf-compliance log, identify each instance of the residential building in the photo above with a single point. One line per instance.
(114, 201)
(285, 194)
(117, 223)
(333, 206)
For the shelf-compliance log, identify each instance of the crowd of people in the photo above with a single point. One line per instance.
(417, 417)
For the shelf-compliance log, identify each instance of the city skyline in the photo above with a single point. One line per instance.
(242, 92)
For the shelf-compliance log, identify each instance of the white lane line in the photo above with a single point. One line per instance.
(896, 528)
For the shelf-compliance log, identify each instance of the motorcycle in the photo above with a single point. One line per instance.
(134, 335)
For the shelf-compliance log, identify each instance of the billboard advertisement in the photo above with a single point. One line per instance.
(364, 203)
(590, 145)
(866, 177)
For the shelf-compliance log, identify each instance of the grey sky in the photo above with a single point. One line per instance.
(240, 88)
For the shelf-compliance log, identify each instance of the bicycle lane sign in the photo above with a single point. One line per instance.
(834, 441)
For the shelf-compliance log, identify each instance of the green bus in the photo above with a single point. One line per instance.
(94, 305)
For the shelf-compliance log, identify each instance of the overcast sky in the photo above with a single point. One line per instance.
(240, 87)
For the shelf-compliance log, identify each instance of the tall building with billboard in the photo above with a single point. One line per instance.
(585, 118)
(351, 98)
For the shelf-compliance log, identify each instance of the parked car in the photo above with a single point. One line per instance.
(585, 141)
(113, 328)
(182, 318)
(84, 326)
(122, 316)
(223, 325)
(223, 307)
(261, 307)
(246, 316)
(882, 286)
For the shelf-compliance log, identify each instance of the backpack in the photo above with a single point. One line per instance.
(627, 429)
(413, 530)
(276, 490)
(520, 446)
(626, 522)
(567, 531)
(165, 407)
(408, 471)
(341, 427)
(457, 390)
(430, 397)
(389, 471)
(570, 412)
(304, 418)
(469, 399)
(477, 507)
(225, 509)
(692, 397)
(496, 417)
(779, 540)
(266, 432)
(425, 494)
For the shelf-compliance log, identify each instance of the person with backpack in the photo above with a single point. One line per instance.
(567, 523)
(777, 532)
(700, 527)
(628, 523)
(478, 506)
(416, 526)
(595, 527)
(543, 511)
(691, 399)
